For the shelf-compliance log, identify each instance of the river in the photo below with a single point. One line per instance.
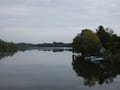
(54, 70)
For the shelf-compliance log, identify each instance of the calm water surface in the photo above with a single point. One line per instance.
(48, 70)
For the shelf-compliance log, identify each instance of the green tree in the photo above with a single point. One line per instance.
(7, 46)
(103, 35)
(87, 43)
(108, 40)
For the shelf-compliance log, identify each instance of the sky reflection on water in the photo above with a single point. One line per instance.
(46, 70)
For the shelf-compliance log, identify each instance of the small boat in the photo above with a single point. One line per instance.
(95, 59)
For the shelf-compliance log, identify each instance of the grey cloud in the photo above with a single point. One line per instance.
(55, 14)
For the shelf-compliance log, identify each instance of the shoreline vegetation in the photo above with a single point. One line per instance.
(54, 44)
(103, 43)
(10, 46)
(7, 46)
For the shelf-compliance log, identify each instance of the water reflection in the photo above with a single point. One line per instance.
(102, 73)
(53, 49)
(6, 54)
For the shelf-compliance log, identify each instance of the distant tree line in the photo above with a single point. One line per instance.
(54, 44)
(103, 41)
(7, 46)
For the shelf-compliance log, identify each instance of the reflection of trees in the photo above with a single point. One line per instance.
(53, 49)
(95, 73)
(6, 54)
(61, 50)
(58, 50)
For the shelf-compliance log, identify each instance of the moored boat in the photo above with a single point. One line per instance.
(95, 59)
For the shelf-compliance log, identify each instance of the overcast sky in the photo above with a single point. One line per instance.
(38, 21)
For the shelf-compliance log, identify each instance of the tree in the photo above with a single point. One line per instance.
(103, 35)
(87, 43)
(108, 39)
(7, 46)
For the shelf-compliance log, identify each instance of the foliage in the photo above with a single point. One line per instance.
(7, 46)
(103, 36)
(54, 44)
(109, 41)
(104, 41)
(87, 43)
